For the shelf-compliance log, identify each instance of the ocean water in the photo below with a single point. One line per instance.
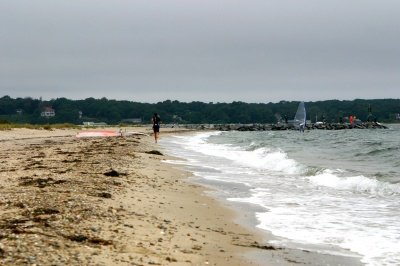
(319, 188)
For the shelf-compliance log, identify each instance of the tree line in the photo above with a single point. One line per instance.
(28, 110)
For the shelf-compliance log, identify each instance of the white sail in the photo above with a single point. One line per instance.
(300, 117)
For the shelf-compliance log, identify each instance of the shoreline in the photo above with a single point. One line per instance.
(292, 253)
(107, 201)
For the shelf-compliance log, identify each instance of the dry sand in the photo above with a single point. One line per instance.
(107, 201)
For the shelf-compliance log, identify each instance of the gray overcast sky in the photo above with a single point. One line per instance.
(205, 50)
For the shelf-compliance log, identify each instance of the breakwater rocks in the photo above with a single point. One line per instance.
(283, 126)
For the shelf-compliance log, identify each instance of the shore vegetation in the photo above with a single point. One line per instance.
(6, 125)
(59, 111)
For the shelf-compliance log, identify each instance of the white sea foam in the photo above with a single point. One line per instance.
(332, 207)
(322, 219)
(260, 159)
(331, 178)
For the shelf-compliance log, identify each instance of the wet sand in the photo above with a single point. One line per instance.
(112, 201)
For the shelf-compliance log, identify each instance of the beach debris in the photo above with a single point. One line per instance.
(197, 247)
(154, 152)
(170, 259)
(48, 212)
(20, 205)
(40, 211)
(255, 244)
(13, 223)
(100, 241)
(2, 251)
(77, 238)
(92, 240)
(134, 133)
(112, 173)
(104, 195)
(186, 251)
(266, 247)
(152, 262)
(39, 182)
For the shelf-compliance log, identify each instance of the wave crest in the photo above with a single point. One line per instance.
(360, 184)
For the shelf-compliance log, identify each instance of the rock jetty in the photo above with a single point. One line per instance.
(284, 126)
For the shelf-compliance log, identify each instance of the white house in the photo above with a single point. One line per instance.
(48, 112)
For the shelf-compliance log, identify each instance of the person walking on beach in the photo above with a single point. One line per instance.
(156, 126)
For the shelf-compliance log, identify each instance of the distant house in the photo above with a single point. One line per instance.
(398, 116)
(48, 112)
(19, 111)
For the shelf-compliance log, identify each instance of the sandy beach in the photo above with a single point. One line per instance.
(112, 201)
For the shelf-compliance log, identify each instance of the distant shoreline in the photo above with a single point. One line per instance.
(114, 112)
(282, 126)
(210, 126)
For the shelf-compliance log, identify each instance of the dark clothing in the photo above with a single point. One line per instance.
(156, 128)
(156, 123)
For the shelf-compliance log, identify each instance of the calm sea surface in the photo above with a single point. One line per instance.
(319, 188)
